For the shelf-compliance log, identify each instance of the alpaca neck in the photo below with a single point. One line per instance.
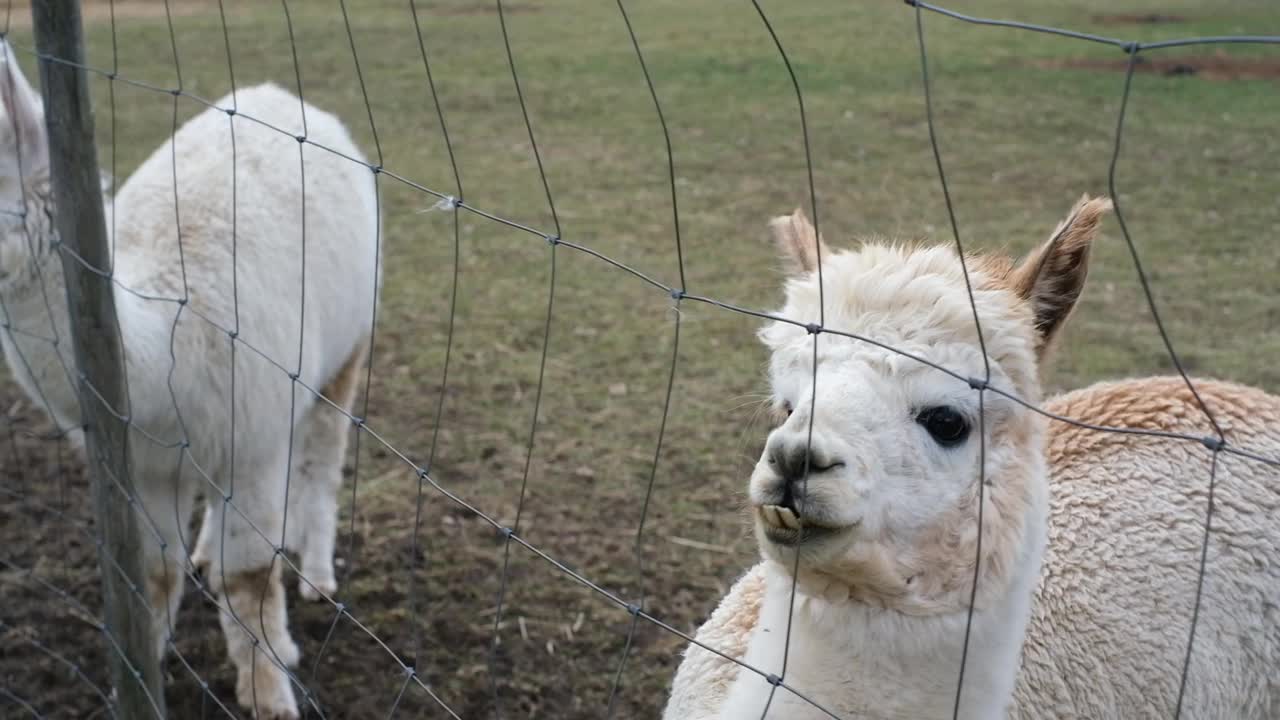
(863, 661)
(33, 311)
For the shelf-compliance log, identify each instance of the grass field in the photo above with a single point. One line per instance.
(1025, 122)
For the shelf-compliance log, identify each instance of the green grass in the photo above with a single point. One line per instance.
(1020, 140)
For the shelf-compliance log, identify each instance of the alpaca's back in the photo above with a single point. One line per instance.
(1114, 609)
(186, 240)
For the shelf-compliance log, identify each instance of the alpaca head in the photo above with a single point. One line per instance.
(24, 157)
(873, 474)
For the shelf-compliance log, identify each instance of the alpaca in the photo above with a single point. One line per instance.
(882, 511)
(313, 506)
(228, 257)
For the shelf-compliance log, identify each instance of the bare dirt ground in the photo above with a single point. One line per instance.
(52, 656)
(1213, 66)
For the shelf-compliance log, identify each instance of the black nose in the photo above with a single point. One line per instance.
(794, 461)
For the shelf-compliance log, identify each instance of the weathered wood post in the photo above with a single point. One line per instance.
(86, 258)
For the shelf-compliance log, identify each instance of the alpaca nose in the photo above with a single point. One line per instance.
(795, 458)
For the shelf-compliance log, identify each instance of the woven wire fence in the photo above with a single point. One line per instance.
(138, 690)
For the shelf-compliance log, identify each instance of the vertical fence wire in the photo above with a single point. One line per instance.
(978, 385)
(450, 204)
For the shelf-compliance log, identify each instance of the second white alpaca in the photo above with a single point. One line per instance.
(213, 233)
(882, 511)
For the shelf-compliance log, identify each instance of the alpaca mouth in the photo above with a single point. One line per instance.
(786, 526)
(780, 517)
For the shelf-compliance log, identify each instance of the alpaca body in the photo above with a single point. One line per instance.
(196, 257)
(1112, 612)
(867, 500)
(1112, 615)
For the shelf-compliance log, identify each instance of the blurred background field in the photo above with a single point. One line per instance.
(1026, 123)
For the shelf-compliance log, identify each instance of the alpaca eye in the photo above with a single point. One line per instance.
(948, 427)
(786, 408)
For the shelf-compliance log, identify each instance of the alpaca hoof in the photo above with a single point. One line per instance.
(317, 588)
(270, 698)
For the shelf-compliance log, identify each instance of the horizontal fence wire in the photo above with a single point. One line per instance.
(405, 654)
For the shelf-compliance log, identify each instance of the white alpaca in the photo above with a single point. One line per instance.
(883, 513)
(189, 254)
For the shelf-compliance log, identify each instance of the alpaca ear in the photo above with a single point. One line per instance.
(25, 147)
(797, 241)
(1052, 277)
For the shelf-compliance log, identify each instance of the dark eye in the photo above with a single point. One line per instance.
(786, 408)
(948, 427)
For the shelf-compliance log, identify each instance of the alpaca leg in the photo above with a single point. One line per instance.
(245, 573)
(200, 553)
(254, 618)
(313, 505)
(165, 508)
(318, 468)
(240, 546)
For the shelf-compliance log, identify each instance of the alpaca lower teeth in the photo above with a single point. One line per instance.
(780, 517)
(789, 518)
(770, 514)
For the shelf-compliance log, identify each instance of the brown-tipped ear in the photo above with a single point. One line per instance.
(1053, 276)
(797, 241)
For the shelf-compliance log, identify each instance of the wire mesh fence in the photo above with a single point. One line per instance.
(45, 482)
